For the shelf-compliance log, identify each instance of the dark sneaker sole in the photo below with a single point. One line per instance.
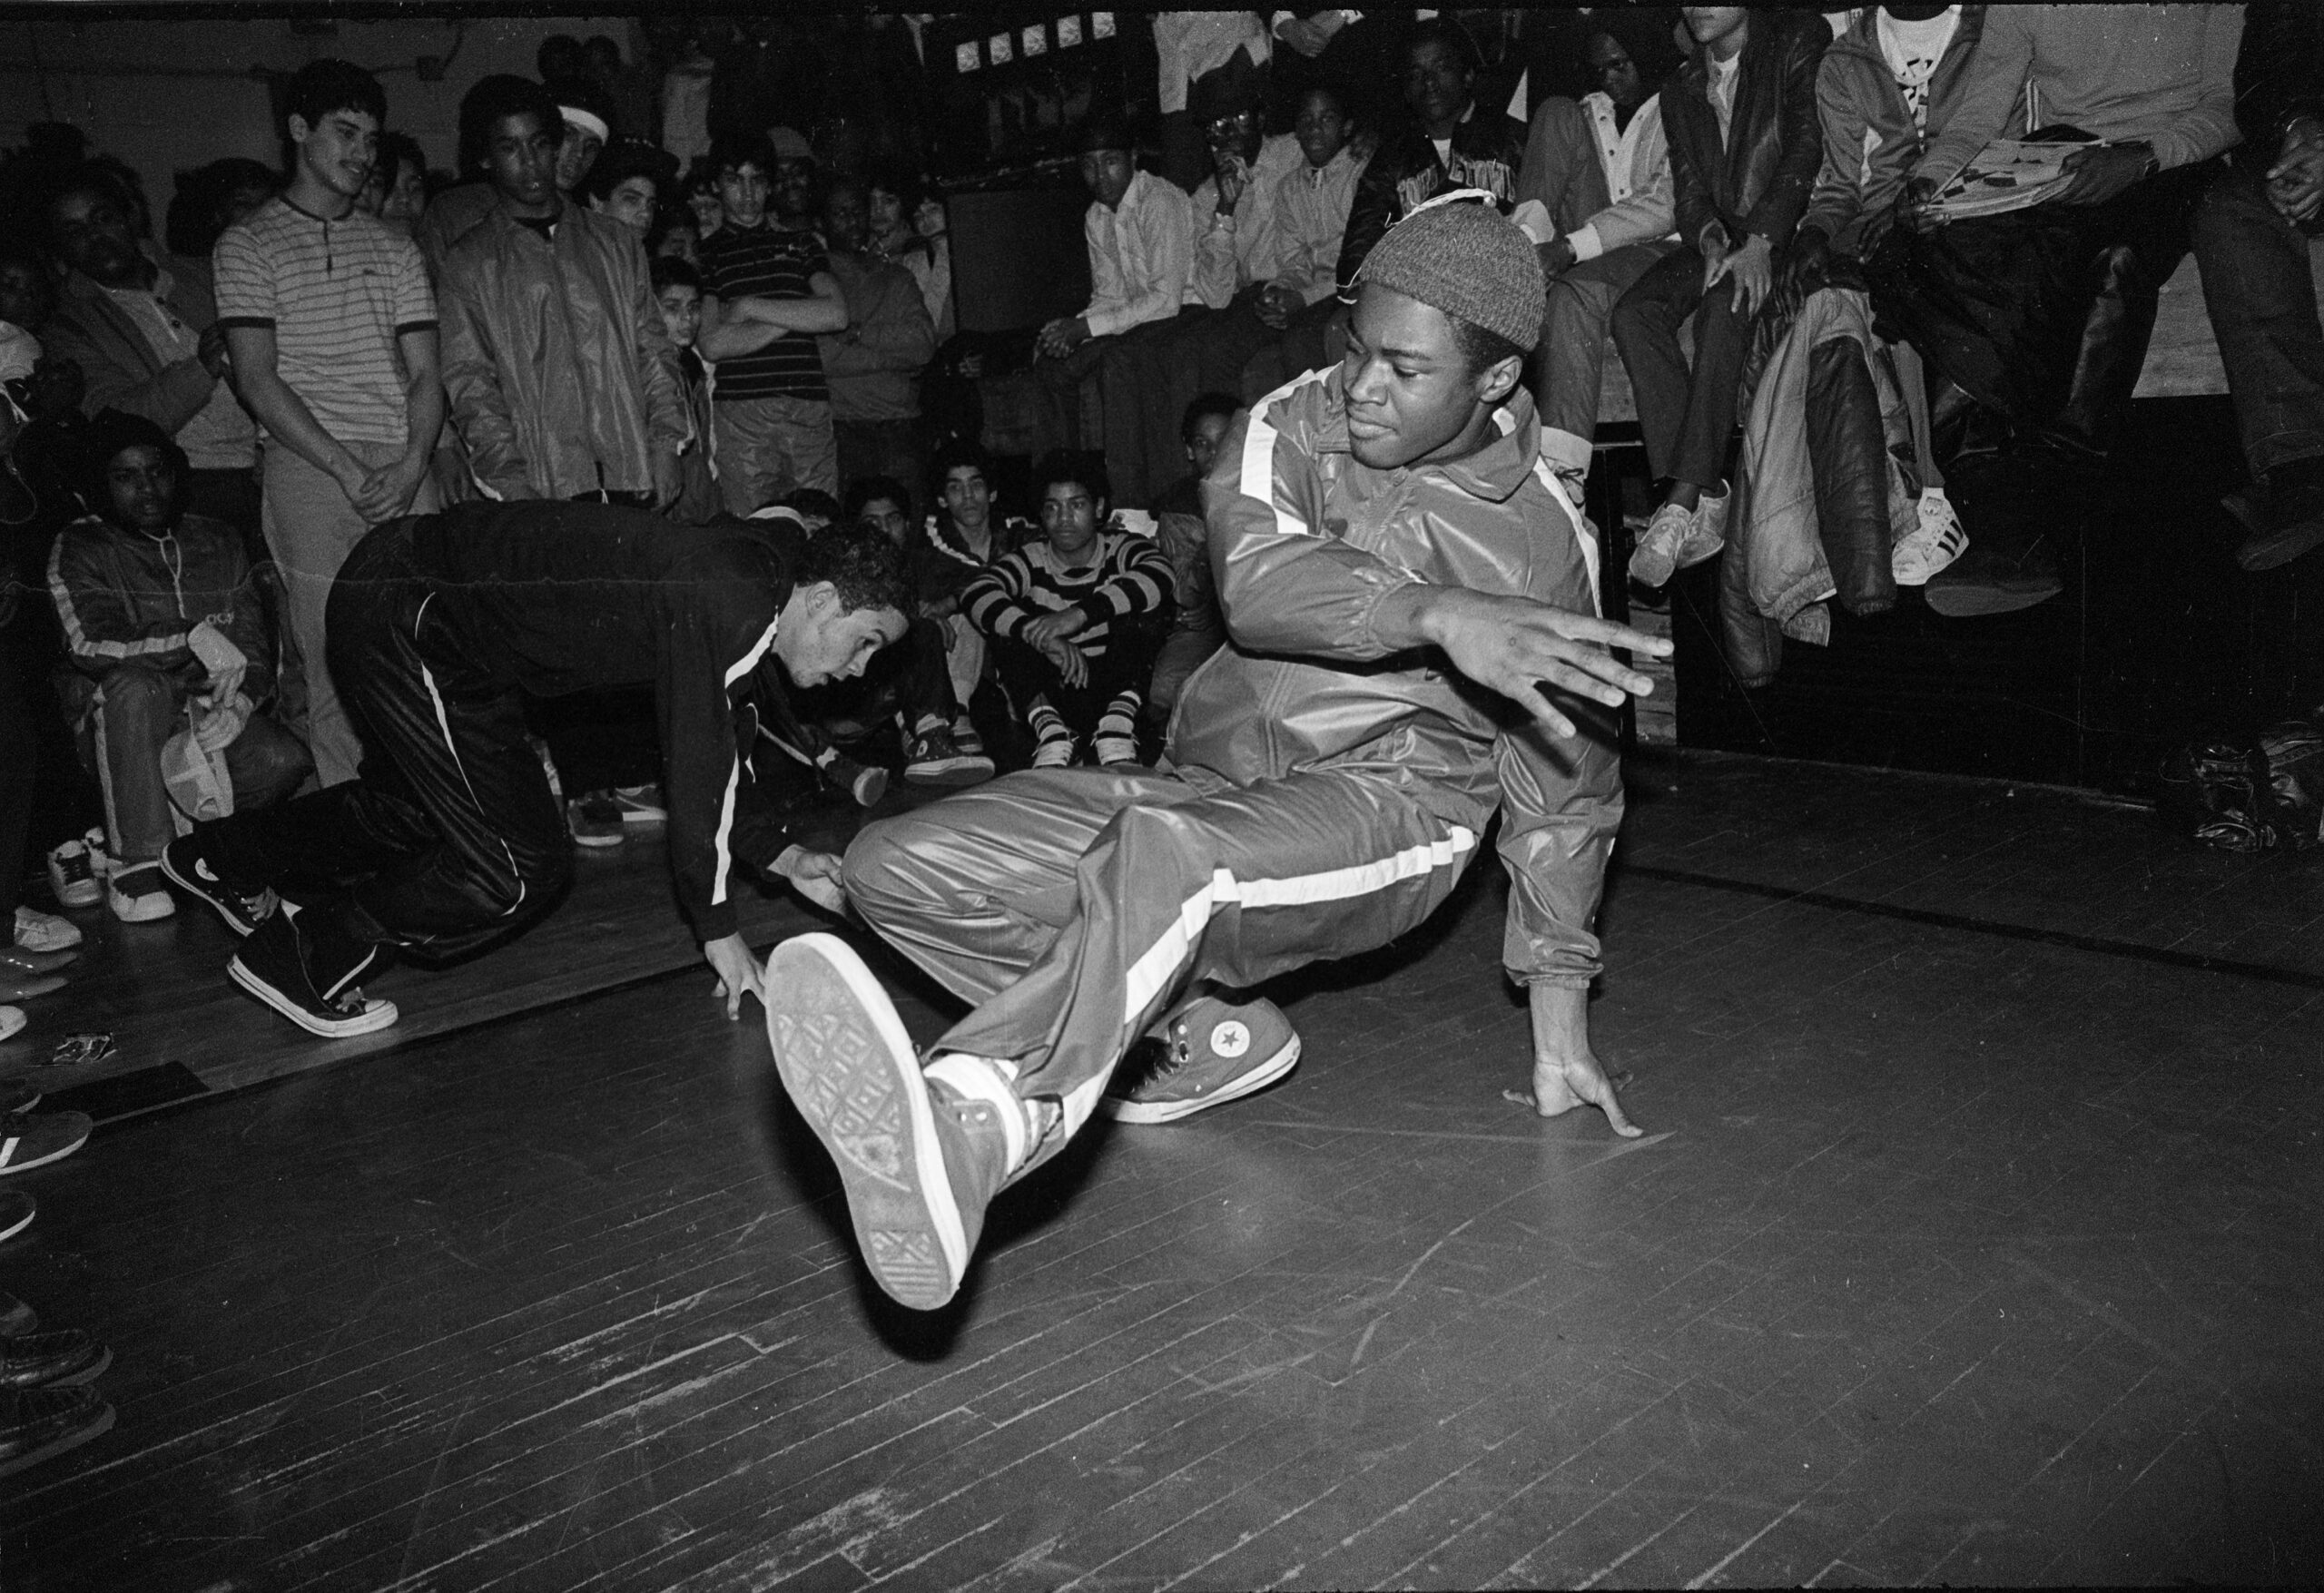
(224, 906)
(1122, 1109)
(99, 1424)
(1967, 602)
(375, 1015)
(79, 1374)
(849, 1068)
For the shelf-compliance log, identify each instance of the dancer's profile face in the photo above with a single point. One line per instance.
(819, 641)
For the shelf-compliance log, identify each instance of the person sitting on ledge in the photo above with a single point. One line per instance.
(1075, 620)
(440, 626)
(1413, 652)
(166, 632)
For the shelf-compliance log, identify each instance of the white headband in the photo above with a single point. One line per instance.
(589, 122)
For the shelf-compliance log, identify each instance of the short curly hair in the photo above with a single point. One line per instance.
(863, 567)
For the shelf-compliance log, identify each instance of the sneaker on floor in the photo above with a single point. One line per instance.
(273, 966)
(641, 805)
(137, 895)
(1206, 1053)
(919, 1154)
(44, 932)
(1931, 546)
(35, 1139)
(38, 1425)
(1054, 751)
(18, 962)
(16, 1212)
(934, 758)
(189, 869)
(595, 820)
(56, 1360)
(74, 874)
(1114, 752)
(1988, 579)
(965, 736)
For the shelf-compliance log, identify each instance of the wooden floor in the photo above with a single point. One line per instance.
(1974, 1240)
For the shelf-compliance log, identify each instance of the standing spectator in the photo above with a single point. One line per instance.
(396, 190)
(627, 182)
(629, 87)
(563, 383)
(142, 325)
(767, 292)
(1745, 149)
(331, 327)
(874, 366)
(167, 633)
(560, 61)
(1601, 167)
(1075, 620)
(588, 128)
(678, 292)
(1453, 143)
(1188, 46)
(2251, 236)
(909, 228)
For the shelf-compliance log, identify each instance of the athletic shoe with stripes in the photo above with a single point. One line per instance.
(39, 1424)
(190, 872)
(1206, 1053)
(275, 965)
(919, 1154)
(35, 1139)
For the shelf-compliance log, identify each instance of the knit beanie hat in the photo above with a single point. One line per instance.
(1465, 260)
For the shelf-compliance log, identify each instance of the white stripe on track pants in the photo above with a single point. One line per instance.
(1075, 905)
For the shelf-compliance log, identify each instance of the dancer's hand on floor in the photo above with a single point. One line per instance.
(815, 876)
(737, 971)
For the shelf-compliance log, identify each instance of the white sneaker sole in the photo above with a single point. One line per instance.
(1122, 1109)
(375, 1016)
(849, 1068)
(958, 772)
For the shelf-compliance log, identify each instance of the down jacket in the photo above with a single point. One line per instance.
(124, 596)
(561, 378)
(1305, 544)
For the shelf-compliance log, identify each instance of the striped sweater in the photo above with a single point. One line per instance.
(1129, 576)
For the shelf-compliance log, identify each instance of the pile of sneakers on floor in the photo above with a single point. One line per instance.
(45, 1404)
(82, 873)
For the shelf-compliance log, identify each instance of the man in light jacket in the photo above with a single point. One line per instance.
(563, 382)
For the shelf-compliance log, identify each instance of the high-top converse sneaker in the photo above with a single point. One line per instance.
(1207, 1052)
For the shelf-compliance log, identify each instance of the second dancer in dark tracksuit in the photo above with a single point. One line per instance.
(440, 626)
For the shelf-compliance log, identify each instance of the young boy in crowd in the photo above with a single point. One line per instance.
(1197, 629)
(960, 540)
(1076, 619)
(677, 290)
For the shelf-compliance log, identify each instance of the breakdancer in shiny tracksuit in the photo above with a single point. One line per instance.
(450, 838)
(1404, 585)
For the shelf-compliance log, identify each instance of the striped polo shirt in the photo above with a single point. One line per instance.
(337, 294)
(767, 262)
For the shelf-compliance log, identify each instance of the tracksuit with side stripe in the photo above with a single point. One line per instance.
(1321, 794)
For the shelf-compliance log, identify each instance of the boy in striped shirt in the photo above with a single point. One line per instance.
(330, 325)
(1075, 620)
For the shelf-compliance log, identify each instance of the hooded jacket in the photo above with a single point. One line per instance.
(1306, 542)
(125, 596)
(1757, 183)
(561, 378)
(1870, 142)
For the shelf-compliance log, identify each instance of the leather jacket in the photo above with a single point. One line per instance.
(1757, 181)
(1488, 148)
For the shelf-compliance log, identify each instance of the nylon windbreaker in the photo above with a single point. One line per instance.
(126, 597)
(1306, 542)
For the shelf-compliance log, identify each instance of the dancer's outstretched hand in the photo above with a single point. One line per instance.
(737, 971)
(1516, 646)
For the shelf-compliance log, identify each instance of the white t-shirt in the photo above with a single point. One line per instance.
(1912, 50)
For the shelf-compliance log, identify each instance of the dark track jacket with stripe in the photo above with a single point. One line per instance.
(1305, 544)
(557, 597)
(124, 596)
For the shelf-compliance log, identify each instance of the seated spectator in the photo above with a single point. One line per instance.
(166, 632)
(1745, 148)
(960, 540)
(1601, 166)
(874, 366)
(2252, 239)
(767, 293)
(2041, 316)
(584, 403)
(1238, 248)
(210, 199)
(882, 503)
(142, 326)
(677, 292)
(1452, 142)
(1312, 204)
(1197, 629)
(1075, 620)
(627, 184)
(908, 228)
(397, 191)
(1140, 231)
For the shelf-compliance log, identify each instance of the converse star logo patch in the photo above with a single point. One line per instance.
(1230, 1040)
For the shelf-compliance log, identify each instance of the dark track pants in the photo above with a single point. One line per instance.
(1074, 906)
(450, 838)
